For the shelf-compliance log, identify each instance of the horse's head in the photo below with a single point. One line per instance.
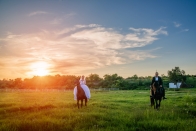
(77, 82)
(154, 87)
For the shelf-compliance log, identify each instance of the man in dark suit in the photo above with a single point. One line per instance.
(158, 81)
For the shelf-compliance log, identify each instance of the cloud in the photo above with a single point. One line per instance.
(60, 20)
(71, 14)
(177, 24)
(142, 37)
(37, 13)
(185, 30)
(56, 21)
(71, 50)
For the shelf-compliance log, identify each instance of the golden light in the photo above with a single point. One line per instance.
(40, 68)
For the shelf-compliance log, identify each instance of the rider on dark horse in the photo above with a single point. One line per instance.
(157, 80)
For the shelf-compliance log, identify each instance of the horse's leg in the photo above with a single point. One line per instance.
(151, 101)
(78, 104)
(159, 103)
(85, 101)
(156, 103)
(81, 103)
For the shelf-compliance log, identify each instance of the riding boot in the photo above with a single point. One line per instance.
(164, 97)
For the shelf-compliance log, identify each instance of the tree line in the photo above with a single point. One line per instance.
(95, 81)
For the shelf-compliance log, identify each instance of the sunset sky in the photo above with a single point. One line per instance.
(80, 37)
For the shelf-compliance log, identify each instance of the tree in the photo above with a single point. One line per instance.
(18, 82)
(93, 80)
(176, 75)
(135, 77)
(111, 81)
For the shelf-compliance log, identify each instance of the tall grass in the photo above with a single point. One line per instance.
(106, 111)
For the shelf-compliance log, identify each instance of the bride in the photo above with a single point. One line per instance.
(84, 87)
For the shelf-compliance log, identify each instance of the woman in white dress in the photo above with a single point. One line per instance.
(84, 87)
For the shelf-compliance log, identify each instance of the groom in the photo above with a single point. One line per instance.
(157, 79)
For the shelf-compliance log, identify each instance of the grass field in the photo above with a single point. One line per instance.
(106, 111)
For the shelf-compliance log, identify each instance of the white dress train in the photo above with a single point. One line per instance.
(75, 93)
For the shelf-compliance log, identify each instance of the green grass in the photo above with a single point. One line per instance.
(106, 111)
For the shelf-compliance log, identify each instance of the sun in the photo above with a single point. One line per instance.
(41, 72)
(40, 68)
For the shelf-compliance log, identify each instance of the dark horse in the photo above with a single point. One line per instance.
(80, 95)
(157, 94)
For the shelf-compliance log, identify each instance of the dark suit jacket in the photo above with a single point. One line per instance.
(160, 82)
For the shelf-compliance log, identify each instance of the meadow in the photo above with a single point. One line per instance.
(123, 110)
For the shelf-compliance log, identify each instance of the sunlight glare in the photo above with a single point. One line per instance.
(40, 68)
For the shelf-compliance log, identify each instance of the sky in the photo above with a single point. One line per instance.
(80, 37)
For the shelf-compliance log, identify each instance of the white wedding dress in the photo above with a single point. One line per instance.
(84, 87)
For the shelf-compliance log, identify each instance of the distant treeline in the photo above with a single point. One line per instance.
(93, 81)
